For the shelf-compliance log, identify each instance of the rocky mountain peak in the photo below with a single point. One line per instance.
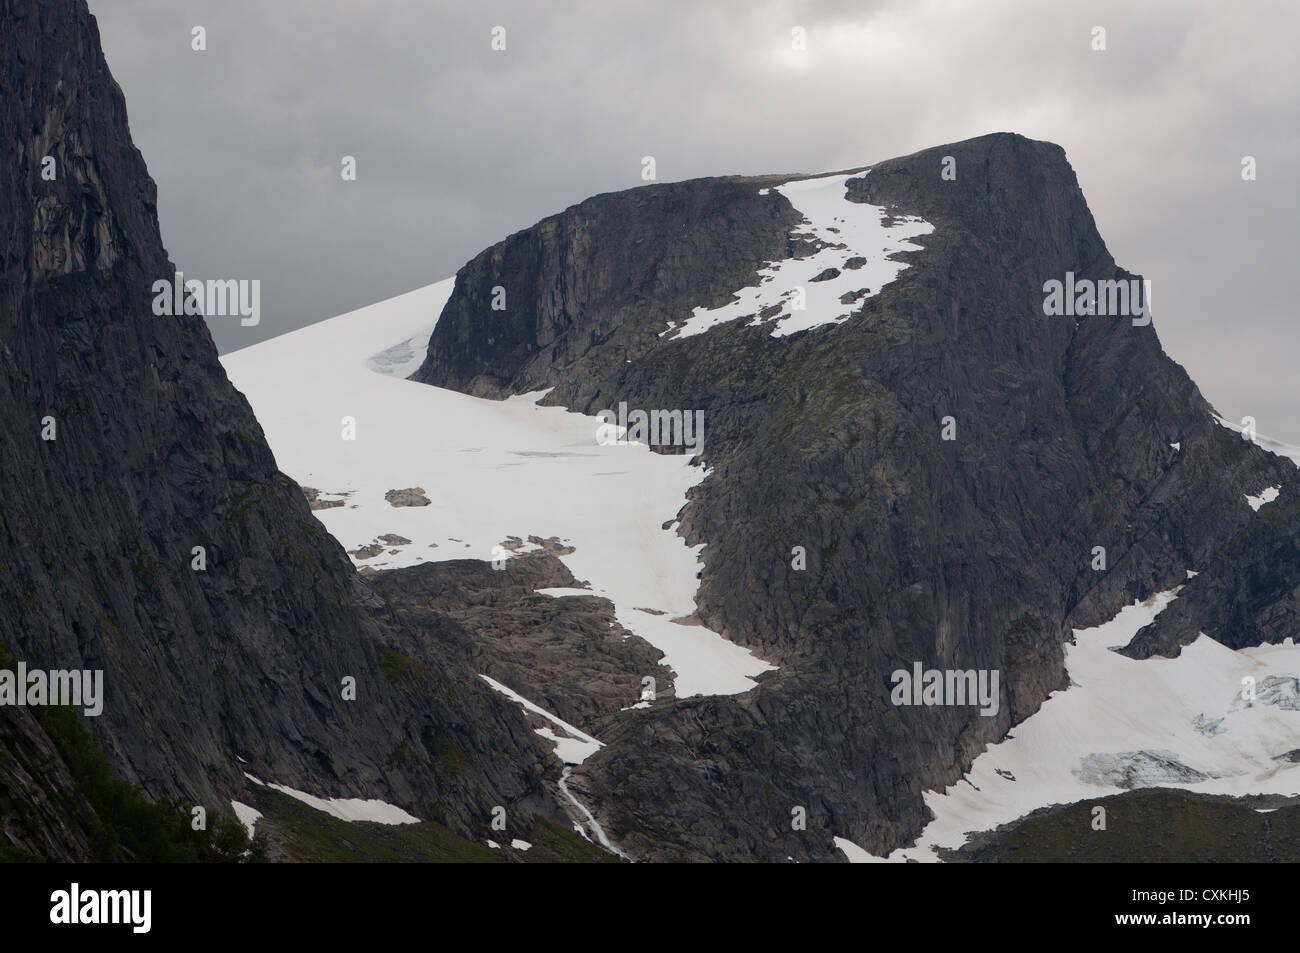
(923, 474)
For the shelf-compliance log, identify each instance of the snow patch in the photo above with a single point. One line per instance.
(248, 816)
(346, 808)
(1268, 495)
(572, 749)
(575, 747)
(855, 260)
(856, 854)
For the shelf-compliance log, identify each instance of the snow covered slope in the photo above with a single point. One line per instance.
(1190, 722)
(1268, 443)
(340, 417)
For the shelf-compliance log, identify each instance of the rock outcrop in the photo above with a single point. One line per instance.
(127, 449)
(973, 553)
(567, 654)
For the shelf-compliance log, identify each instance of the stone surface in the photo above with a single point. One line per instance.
(973, 553)
(566, 654)
(412, 496)
(156, 453)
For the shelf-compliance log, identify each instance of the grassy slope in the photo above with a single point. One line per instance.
(299, 833)
(1152, 825)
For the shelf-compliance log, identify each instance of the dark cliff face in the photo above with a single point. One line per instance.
(973, 553)
(156, 453)
(590, 288)
(1247, 594)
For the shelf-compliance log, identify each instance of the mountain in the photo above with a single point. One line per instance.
(925, 317)
(879, 444)
(211, 672)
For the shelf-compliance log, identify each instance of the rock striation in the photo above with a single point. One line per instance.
(210, 671)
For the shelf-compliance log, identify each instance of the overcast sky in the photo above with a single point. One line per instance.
(457, 145)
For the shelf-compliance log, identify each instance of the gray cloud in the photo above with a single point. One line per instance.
(457, 146)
